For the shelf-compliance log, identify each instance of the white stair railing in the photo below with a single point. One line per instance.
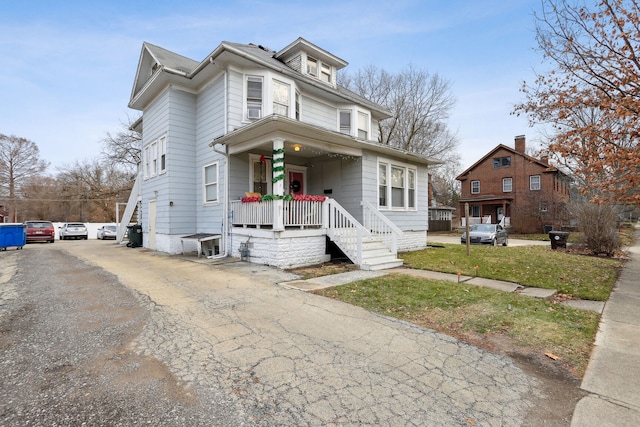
(344, 230)
(380, 226)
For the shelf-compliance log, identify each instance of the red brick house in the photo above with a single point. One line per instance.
(508, 185)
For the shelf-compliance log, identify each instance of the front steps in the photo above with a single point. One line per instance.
(376, 256)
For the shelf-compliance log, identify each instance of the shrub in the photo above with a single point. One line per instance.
(598, 224)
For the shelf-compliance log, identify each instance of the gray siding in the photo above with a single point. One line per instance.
(318, 113)
(235, 84)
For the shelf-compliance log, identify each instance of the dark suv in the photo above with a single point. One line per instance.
(40, 231)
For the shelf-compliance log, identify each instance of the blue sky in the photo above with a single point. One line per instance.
(68, 67)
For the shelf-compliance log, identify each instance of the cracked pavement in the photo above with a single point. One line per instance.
(286, 357)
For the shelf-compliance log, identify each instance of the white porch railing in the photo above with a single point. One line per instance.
(302, 213)
(296, 213)
(380, 226)
(484, 220)
(254, 214)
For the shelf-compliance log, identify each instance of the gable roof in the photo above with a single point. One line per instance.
(158, 67)
(544, 164)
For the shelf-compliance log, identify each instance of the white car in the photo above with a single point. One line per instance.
(106, 232)
(74, 230)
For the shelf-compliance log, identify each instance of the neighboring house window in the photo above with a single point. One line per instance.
(211, 183)
(501, 162)
(475, 187)
(396, 186)
(475, 211)
(534, 182)
(281, 98)
(507, 185)
(312, 66)
(297, 105)
(325, 73)
(163, 154)
(363, 125)
(254, 97)
(345, 122)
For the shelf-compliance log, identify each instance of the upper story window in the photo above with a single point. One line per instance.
(325, 73)
(501, 162)
(297, 105)
(345, 122)
(475, 187)
(254, 97)
(396, 186)
(319, 70)
(507, 185)
(153, 159)
(312, 66)
(281, 98)
(534, 182)
(162, 147)
(363, 125)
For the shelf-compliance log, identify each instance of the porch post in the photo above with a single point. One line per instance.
(278, 183)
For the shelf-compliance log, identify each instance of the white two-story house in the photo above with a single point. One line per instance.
(262, 153)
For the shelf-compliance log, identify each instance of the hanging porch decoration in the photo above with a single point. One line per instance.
(278, 165)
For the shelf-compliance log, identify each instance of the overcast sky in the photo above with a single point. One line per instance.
(68, 66)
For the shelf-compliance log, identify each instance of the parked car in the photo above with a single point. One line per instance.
(486, 234)
(40, 231)
(106, 232)
(74, 230)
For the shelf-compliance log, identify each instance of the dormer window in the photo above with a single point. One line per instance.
(312, 66)
(325, 73)
(319, 69)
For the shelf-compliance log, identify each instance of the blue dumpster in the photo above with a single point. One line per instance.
(12, 234)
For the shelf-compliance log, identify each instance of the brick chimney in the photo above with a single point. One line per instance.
(520, 145)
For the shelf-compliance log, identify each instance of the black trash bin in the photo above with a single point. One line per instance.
(135, 235)
(558, 239)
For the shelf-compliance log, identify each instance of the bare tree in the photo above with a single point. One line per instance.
(591, 93)
(19, 161)
(420, 104)
(123, 148)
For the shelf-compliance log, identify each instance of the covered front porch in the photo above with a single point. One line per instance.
(489, 210)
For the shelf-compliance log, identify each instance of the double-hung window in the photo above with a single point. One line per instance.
(254, 97)
(475, 187)
(281, 98)
(163, 154)
(210, 183)
(396, 186)
(147, 160)
(345, 122)
(153, 152)
(507, 185)
(534, 182)
(325, 73)
(363, 125)
(312, 66)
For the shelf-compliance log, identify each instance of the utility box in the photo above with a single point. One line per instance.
(558, 239)
(12, 234)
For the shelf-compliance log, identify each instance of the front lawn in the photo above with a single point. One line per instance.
(581, 276)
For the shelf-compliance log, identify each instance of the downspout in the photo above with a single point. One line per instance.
(225, 209)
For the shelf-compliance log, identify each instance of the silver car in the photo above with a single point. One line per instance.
(486, 234)
(74, 230)
(106, 232)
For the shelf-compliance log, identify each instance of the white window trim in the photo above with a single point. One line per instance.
(204, 184)
(389, 165)
(475, 192)
(147, 159)
(504, 190)
(162, 147)
(531, 181)
(245, 103)
(350, 110)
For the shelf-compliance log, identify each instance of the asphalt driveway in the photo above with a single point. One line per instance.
(286, 357)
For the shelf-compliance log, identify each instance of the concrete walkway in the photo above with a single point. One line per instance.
(613, 374)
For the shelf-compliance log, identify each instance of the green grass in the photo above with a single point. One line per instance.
(458, 309)
(581, 276)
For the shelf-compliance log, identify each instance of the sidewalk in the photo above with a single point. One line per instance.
(613, 374)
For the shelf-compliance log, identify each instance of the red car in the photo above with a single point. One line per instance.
(40, 231)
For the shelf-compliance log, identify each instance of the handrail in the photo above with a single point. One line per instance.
(345, 230)
(380, 225)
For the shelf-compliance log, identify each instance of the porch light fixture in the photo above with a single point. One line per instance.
(296, 147)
